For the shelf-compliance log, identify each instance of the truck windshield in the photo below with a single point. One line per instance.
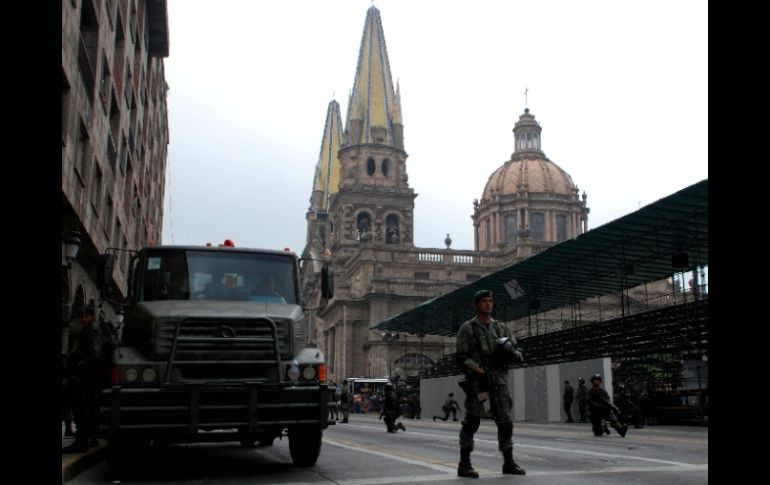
(212, 275)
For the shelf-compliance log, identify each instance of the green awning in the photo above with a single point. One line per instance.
(663, 238)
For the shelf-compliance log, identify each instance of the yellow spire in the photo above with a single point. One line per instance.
(327, 171)
(374, 106)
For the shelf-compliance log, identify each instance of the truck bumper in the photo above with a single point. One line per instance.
(190, 408)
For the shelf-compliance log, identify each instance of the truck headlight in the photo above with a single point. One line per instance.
(308, 372)
(149, 375)
(130, 375)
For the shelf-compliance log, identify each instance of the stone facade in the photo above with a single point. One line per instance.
(114, 137)
(362, 225)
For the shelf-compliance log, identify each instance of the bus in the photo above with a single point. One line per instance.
(371, 390)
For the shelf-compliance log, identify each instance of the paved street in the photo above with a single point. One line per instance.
(361, 452)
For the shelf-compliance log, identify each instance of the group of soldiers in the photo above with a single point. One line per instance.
(485, 351)
(624, 408)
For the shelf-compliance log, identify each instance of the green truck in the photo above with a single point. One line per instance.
(210, 351)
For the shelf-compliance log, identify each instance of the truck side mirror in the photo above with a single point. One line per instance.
(104, 274)
(327, 282)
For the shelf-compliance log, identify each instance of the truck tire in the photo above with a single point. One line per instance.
(305, 445)
(122, 455)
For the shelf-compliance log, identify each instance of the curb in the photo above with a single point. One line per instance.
(74, 463)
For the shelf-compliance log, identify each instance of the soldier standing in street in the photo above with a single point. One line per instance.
(568, 397)
(602, 408)
(345, 401)
(391, 410)
(582, 399)
(478, 342)
(87, 379)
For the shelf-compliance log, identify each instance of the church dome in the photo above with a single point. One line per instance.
(533, 175)
(528, 170)
(529, 203)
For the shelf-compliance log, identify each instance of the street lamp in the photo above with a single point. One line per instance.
(71, 248)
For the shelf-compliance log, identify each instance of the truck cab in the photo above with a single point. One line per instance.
(211, 351)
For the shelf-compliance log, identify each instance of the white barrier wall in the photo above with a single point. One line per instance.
(536, 391)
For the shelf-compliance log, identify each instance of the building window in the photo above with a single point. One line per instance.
(81, 153)
(422, 275)
(386, 167)
(105, 86)
(488, 233)
(363, 226)
(108, 214)
(511, 230)
(89, 38)
(537, 224)
(371, 167)
(561, 227)
(96, 187)
(65, 107)
(117, 229)
(472, 277)
(392, 230)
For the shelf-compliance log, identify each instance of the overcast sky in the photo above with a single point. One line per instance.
(619, 87)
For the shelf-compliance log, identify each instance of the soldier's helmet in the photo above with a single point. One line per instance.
(507, 351)
(451, 394)
(621, 387)
(581, 380)
(595, 377)
(389, 386)
(481, 294)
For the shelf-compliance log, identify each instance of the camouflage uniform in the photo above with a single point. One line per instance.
(88, 376)
(468, 354)
(582, 399)
(345, 403)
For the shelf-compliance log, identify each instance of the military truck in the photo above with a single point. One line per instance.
(210, 351)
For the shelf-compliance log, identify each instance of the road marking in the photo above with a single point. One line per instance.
(494, 474)
(394, 455)
(550, 448)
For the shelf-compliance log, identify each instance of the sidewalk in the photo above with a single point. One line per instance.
(74, 463)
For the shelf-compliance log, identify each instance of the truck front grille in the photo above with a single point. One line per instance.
(223, 349)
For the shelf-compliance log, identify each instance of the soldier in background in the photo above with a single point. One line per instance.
(582, 399)
(87, 379)
(450, 406)
(391, 410)
(602, 408)
(568, 397)
(345, 401)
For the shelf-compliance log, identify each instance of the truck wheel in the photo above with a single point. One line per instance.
(305, 445)
(122, 453)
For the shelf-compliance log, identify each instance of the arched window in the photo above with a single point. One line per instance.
(363, 226)
(537, 224)
(561, 227)
(511, 231)
(371, 167)
(392, 230)
(386, 167)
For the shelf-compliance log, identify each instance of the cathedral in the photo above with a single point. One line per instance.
(360, 221)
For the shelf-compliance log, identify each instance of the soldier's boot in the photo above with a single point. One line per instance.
(606, 429)
(509, 466)
(622, 429)
(400, 426)
(464, 468)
